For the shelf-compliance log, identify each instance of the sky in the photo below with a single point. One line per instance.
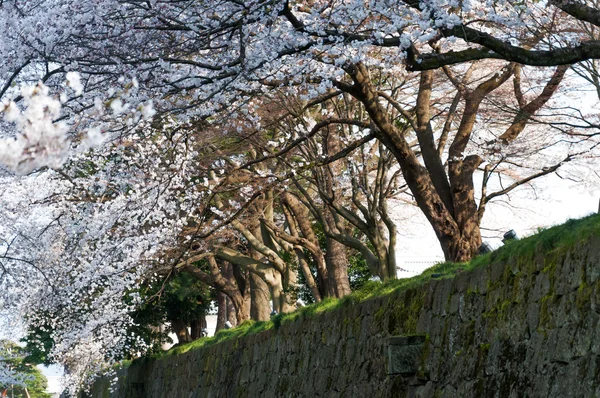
(555, 202)
(53, 373)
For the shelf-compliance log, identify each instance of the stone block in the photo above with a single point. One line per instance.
(568, 274)
(461, 282)
(592, 261)
(435, 331)
(496, 271)
(492, 361)
(541, 287)
(424, 322)
(443, 289)
(478, 280)
(429, 296)
(404, 353)
(425, 391)
(454, 303)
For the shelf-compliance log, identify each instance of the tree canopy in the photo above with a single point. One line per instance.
(256, 148)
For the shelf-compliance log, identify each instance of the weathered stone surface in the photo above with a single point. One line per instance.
(404, 353)
(522, 329)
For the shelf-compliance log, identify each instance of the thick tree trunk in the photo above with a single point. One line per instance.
(278, 293)
(233, 316)
(335, 257)
(465, 248)
(181, 331)
(237, 309)
(260, 303)
(229, 285)
(240, 310)
(337, 267)
(233, 309)
(221, 311)
(196, 327)
(244, 300)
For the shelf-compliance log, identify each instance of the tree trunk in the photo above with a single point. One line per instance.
(196, 327)
(244, 300)
(302, 216)
(221, 311)
(459, 241)
(229, 284)
(465, 247)
(260, 306)
(233, 316)
(335, 258)
(237, 308)
(181, 331)
(337, 267)
(278, 294)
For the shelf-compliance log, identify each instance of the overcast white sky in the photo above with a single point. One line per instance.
(555, 203)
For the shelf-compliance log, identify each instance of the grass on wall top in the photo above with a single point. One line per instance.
(557, 239)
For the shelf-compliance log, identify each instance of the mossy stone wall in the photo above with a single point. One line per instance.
(526, 328)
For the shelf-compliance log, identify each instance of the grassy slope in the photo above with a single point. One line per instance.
(556, 239)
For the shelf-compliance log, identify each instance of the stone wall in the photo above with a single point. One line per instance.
(528, 328)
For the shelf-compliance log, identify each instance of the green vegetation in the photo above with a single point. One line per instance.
(38, 343)
(555, 240)
(182, 298)
(13, 356)
(558, 239)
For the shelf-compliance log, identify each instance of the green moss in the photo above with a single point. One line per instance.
(470, 333)
(421, 372)
(490, 314)
(584, 296)
(380, 314)
(545, 317)
(556, 240)
(504, 309)
(403, 312)
(519, 285)
(549, 266)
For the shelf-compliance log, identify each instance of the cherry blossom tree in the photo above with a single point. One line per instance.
(138, 138)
